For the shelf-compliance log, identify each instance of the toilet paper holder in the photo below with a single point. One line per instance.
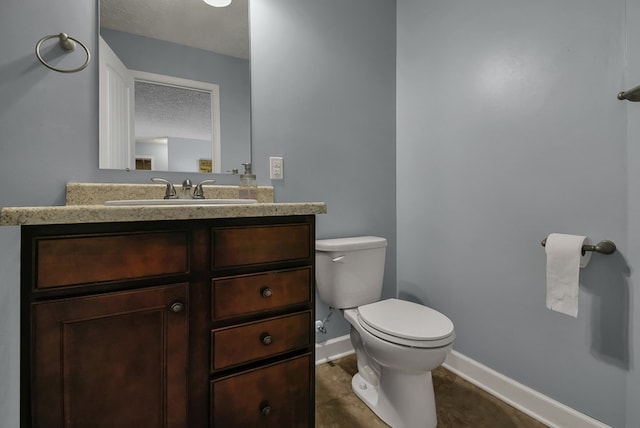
(602, 247)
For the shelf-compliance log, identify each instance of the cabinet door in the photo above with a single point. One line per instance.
(111, 360)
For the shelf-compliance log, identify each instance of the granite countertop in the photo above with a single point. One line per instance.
(73, 214)
(83, 209)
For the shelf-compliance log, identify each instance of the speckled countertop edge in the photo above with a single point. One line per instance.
(85, 205)
(75, 214)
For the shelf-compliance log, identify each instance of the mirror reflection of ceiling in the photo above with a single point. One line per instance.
(163, 110)
(224, 30)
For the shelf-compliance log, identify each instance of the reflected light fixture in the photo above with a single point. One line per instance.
(218, 3)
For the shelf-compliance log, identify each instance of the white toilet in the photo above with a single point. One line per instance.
(397, 343)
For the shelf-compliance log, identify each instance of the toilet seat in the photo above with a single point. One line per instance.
(406, 323)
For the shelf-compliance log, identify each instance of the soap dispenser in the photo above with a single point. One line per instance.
(248, 185)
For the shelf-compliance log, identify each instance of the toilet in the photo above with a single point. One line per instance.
(397, 342)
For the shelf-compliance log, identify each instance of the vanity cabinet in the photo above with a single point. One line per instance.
(169, 324)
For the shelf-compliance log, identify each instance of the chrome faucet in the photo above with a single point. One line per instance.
(185, 193)
(198, 192)
(170, 193)
(186, 190)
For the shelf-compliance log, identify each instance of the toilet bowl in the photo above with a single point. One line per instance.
(394, 372)
(397, 342)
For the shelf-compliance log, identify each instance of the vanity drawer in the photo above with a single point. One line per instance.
(275, 396)
(247, 294)
(248, 245)
(73, 260)
(232, 346)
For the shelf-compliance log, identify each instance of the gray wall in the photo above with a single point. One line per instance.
(159, 154)
(509, 129)
(632, 79)
(184, 153)
(9, 326)
(48, 120)
(323, 97)
(232, 74)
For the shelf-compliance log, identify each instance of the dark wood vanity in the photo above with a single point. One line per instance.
(177, 324)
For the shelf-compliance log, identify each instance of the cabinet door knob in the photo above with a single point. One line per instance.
(266, 410)
(266, 339)
(267, 292)
(177, 307)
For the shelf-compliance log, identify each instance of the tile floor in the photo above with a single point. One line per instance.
(459, 403)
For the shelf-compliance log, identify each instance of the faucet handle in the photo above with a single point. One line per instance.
(198, 192)
(170, 193)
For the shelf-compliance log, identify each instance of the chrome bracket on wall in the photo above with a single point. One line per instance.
(67, 44)
(632, 94)
(602, 247)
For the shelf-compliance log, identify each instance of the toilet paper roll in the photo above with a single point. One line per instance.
(564, 260)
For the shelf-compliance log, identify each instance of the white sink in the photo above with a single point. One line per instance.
(127, 202)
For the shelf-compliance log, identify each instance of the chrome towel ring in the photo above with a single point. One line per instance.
(68, 44)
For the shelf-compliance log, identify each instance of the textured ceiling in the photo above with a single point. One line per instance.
(187, 22)
(170, 111)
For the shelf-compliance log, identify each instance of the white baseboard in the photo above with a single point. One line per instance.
(333, 349)
(540, 407)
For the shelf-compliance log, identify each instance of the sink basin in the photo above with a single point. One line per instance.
(127, 202)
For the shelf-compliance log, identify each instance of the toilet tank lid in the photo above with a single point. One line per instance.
(350, 244)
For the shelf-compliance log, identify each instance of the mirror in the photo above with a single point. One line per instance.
(174, 86)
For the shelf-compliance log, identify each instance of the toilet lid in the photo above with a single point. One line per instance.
(405, 320)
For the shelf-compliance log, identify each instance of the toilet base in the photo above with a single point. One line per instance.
(402, 400)
(364, 390)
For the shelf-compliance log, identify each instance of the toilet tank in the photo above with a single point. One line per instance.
(349, 271)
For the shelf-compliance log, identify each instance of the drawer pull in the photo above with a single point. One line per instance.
(177, 307)
(267, 292)
(266, 339)
(266, 410)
